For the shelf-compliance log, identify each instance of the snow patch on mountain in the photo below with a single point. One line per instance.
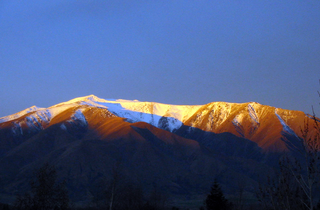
(284, 125)
(17, 129)
(77, 120)
(45, 115)
(19, 114)
(33, 122)
(63, 127)
(252, 113)
(78, 116)
(36, 119)
(169, 123)
(237, 123)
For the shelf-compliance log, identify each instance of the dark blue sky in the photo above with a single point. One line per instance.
(169, 51)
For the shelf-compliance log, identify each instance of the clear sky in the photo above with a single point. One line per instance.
(168, 51)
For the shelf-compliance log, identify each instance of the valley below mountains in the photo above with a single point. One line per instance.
(178, 148)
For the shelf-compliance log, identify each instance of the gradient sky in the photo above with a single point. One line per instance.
(168, 51)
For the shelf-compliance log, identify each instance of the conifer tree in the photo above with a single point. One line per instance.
(216, 200)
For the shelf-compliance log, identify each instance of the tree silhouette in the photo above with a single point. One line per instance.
(46, 193)
(216, 200)
(297, 182)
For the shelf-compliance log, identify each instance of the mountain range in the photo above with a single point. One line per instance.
(179, 148)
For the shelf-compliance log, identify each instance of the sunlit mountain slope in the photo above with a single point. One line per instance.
(261, 124)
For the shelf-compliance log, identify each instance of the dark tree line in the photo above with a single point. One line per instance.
(118, 194)
(121, 193)
(46, 193)
(130, 196)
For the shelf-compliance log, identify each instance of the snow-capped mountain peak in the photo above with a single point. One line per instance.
(247, 120)
(137, 111)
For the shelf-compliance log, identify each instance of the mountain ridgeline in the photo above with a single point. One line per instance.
(181, 149)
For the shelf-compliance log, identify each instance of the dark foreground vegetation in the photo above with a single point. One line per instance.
(295, 187)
